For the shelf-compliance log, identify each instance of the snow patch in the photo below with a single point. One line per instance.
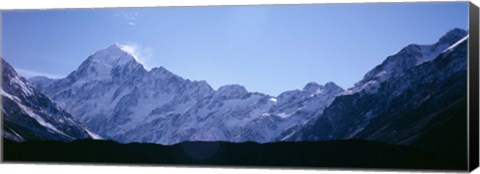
(288, 136)
(430, 52)
(266, 114)
(40, 120)
(273, 99)
(11, 97)
(25, 89)
(455, 44)
(283, 115)
(93, 135)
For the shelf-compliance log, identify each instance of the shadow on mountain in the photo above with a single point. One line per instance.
(329, 154)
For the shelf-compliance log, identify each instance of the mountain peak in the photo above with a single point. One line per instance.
(312, 87)
(332, 86)
(12, 82)
(100, 65)
(160, 69)
(122, 48)
(114, 46)
(7, 69)
(431, 51)
(232, 91)
(162, 72)
(408, 57)
(453, 36)
(115, 53)
(30, 115)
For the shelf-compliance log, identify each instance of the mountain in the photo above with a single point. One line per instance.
(30, 115)
(116, 97)
(235, 115)
(401, 101)
(404, 100)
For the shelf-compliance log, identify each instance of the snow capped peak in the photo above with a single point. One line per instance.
(127, 49)
(114, 46)
(312, 87)
(425, 53)
(113, 61)
(115, 54)
(332, 87)
(31, 115)
(160, 69)
(161, 73)
(118, 47)
(203, 84)
(315, 88)
(453, 36)
(8, 69)
(408, 57)
(11, 81)
(410, 50)
(233, 87)
(430, 52)
(203, 87)
(233, 91)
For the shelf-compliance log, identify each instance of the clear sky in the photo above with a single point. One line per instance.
(268, 49)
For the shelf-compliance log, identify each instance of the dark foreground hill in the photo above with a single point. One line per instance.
(331, 154)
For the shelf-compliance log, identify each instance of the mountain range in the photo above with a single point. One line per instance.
(116, 97)
(403, 100)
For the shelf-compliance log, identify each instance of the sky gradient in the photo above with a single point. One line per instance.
(267, 49)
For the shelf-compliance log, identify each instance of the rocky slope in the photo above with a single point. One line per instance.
(30, 115)
(115, 96)
(119, 99)
(401, 99)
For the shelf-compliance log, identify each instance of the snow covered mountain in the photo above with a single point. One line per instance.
(116, 97)
(402, 99)
(396, 102)
(30, 115)
(408, 57)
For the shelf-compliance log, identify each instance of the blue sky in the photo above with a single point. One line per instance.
(268, 49)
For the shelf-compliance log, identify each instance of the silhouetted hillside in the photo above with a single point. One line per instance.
(338, 154)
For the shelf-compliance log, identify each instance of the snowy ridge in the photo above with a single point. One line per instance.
(456, 44)
(118, 99)
(408, 57)
(399, 98)
(29, 115)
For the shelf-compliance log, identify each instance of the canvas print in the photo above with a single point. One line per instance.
(374, 85)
